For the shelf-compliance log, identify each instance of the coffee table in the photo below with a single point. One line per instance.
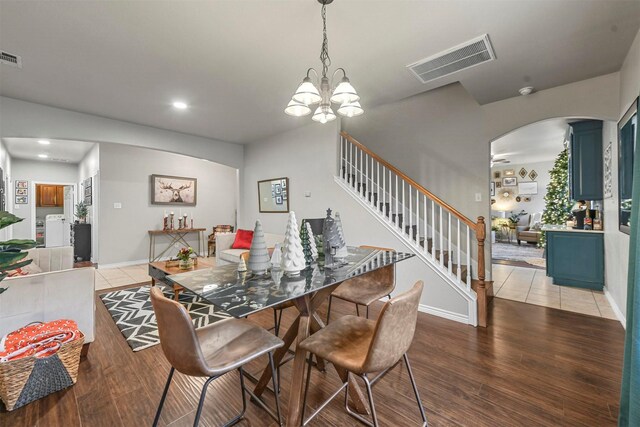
(159, 272)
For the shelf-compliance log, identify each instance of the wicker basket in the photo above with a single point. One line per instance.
(28, 379)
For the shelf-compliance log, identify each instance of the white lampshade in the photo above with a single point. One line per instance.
(307, 93)
(323, 114)
(344, 92)
(297, 109)
(350, 109)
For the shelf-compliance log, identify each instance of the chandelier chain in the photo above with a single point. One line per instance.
(324, 52)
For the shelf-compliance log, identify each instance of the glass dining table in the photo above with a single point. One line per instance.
(243, 294)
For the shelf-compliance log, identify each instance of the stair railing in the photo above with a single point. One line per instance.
(432, 226)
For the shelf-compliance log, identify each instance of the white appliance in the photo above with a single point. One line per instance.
(57, 231)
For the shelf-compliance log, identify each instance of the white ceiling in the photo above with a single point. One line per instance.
(58, 151)
(538, 142)
(237, 62)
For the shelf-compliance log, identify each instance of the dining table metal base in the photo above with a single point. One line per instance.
(308, 321)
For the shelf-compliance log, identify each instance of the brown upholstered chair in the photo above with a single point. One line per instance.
(365, 290)
(362, 346)
(211, 246)
(211, 351)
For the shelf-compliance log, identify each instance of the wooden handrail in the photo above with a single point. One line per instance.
(419, 187)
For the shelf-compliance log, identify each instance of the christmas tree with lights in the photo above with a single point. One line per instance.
(557, 203)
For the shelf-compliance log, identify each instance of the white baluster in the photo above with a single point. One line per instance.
(459, 272)
(361, 172)
(342, 162)
(410, 216)
(449, 252)
(426, 227)
(384, 193)
(433, 231)
(441, 239)
(378, 179)
(417, 237)
(396, 201)
(468, 258)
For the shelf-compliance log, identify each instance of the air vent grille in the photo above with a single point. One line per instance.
(466, 55)
(10, 59)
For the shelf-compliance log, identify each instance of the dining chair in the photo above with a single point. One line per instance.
(212, 351)
(362, 346)
(365, 290)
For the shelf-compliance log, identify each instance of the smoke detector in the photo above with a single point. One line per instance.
(527, 90)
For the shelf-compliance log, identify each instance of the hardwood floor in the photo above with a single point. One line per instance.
(532, 366)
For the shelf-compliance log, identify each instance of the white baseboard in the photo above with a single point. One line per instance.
(123, 264)
(450, 315)
(615, 308)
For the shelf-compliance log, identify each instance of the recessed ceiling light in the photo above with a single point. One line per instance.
(44, 141)
(43, 156)
(526, 90)
(180, 105)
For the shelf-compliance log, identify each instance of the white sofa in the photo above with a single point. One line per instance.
(59, 292)
(226, 255)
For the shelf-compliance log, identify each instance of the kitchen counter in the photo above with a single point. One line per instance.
(568, 229)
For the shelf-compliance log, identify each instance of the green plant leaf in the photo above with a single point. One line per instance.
(17, 244)
(8, 259)
(7, 219)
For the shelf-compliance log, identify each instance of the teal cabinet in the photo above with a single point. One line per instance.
(576, 258)
(585, 160)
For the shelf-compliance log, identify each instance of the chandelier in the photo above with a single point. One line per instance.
(308, 94)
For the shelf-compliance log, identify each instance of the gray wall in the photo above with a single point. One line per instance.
(89, 167)
(125, 178)
(26, 119)
(617, 243)
(308, 157)
(36, 171)
(537, 201)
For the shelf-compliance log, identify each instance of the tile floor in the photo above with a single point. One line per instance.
(532, 286)
(115, 277)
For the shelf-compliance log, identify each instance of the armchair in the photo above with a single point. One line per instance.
(532, 231)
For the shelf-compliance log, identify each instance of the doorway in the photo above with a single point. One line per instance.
(53, 211)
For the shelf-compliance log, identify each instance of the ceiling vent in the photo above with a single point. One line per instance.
(10, 59)
(466, 55)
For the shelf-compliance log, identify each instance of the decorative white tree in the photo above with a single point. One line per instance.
(341, 252)
(312, 241)
(258, 254)
(292, 256)
(276, 257)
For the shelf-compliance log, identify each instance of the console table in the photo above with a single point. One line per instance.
(175, 236)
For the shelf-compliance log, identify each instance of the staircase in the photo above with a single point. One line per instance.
(448, 242)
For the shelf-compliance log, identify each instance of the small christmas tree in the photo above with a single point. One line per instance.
(258, 254)
(292, 255)
(557, 203)
(312, 242)
(341, 252)
(305, 241)
(276, 257)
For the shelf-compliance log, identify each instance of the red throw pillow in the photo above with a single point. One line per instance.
(243, 239)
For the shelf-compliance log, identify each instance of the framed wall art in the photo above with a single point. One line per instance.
(22, 184)
(273, 195)
(522, 173)
(509, 172)
(22, 200)
(173, 190)
(509, 182)
(608, 174)
(528, 188)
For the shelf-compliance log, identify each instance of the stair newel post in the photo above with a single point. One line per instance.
(481, 234)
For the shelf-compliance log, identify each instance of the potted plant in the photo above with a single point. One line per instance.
(494, 229)
(184, 255)
(12, 255)
(81, 212)
(514, 218)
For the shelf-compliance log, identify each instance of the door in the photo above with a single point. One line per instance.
(68, 209)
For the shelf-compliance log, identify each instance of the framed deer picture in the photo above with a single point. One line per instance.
(173, 190)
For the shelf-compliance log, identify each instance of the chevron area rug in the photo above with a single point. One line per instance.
(132, 312)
